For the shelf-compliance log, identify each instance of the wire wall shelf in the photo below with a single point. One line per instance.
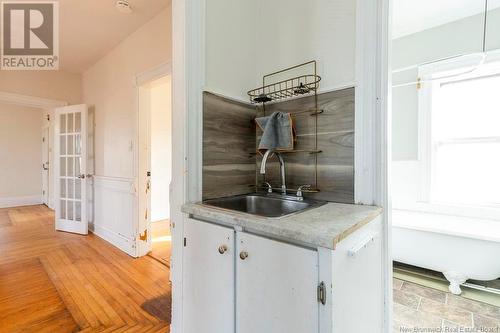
(297, 86)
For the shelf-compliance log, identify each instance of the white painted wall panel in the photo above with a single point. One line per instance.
(114, 212)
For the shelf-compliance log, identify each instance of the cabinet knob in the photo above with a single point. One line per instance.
(222, 249)
(243, 255)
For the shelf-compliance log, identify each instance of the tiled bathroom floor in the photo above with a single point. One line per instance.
(432, 310)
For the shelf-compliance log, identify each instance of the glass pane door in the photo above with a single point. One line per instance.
(71, 171)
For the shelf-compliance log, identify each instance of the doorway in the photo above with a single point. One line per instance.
(155, 168)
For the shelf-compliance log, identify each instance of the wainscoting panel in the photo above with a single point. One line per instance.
(228, 147)
(113, 218)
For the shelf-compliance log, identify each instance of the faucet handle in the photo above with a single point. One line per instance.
(302, 187)
(269, 187)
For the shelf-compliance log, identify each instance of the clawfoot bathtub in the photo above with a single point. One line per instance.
(461, 248)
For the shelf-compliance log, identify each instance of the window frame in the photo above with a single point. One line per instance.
(429, 75)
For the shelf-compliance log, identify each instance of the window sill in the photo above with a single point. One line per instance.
(478, 212)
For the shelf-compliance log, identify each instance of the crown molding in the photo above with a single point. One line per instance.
(30, 101)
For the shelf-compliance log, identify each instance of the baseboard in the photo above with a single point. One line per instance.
(117, 240)
(21, 201)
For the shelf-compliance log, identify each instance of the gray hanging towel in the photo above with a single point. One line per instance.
(278, 132)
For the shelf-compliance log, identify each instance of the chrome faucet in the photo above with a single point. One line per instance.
(268, 154)
(269, 187)
(300, 195)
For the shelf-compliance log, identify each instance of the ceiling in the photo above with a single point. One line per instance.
(89, 29)
(411, 16)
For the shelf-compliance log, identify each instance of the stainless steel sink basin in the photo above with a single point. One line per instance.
(264, 205)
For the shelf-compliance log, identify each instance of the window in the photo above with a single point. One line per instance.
(460, 136)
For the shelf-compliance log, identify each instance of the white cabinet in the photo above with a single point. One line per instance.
(236, 282)
(208, 283)
(276, 286)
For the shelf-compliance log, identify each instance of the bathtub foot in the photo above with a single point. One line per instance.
(455, 279)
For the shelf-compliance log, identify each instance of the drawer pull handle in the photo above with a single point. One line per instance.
(361, 245)
(243, 255)
(222, 249)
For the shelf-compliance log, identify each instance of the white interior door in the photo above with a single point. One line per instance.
(71, 169)
(45, 166)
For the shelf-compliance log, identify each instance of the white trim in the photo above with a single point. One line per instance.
(153, 74)
(21, 201)
(373, 123)
(187, 93)
(30, 101)
(365, 99)
(384, 142)
(116, 179)
(458, 210)
(141, 79)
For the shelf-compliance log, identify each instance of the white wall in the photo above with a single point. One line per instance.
(161, 148)
(58, 85)
(20, 155)
(248, 39)
(290, 32)
(231, 47)
(109, 88)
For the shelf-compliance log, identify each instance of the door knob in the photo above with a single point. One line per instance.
(222, 249)
(81, 176)
(243, 255)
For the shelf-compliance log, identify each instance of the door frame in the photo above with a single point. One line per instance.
(373, 124)
(158, 72)
(372, 157)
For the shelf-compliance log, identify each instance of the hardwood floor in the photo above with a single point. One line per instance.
(59, 282)
(162, 241)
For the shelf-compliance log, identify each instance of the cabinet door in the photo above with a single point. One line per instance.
(276, 287)
(208, 278)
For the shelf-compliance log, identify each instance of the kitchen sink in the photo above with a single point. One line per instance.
(267, 205)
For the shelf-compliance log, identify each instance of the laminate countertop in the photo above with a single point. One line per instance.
(324, 226)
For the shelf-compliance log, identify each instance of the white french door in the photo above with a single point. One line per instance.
(71, 169)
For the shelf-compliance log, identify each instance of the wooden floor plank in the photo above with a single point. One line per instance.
(59, 282)
(162, 243)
